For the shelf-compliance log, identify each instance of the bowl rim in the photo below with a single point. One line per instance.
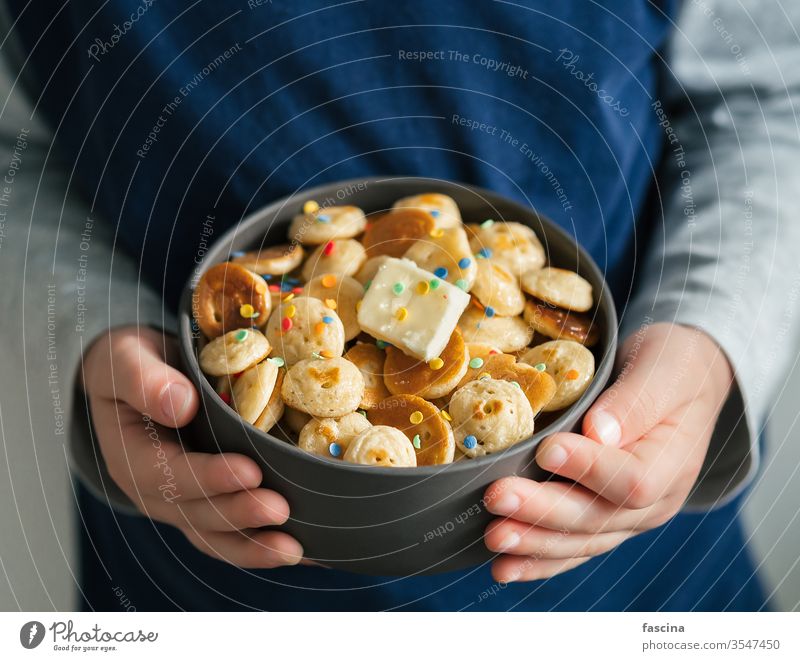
(565, 420)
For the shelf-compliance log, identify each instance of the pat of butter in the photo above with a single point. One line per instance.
(416, 318)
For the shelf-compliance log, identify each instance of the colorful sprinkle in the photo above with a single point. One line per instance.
(367, 284)
(277, 360)
(464, 262)
(358, 305)
(319, 328)
(362, 412)
(286, 324)
(398, 288)
(328, 280)
(437, 232)
(297, 290)
(326, 354)
(225, 397)
(462, 284)
(476, 363)
(434, 284)
(436, 363)
(540, 366)
(489, 311)
(327, 320)
(274, 287)
(477, 303)
(470, 442)
(416, 417)
(237, 253)
(417, 441)
(485, 375)
(292, 281)
(335, 449)
(315, 355)
(266, 276)
(323, 218)
(247, 311)
(571, 375)
(447, 416)
(401, 314)
(423, 287)
(487, 223)
(330, 303)
(241, 335)
(328, 249)
(310, 207)
(516, 384)
(440, 272)
(381, 344)
(288, 298)
(484, 253)
(435, 213)
(290, 311)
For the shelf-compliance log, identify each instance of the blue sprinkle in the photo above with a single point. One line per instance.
(464, 262)
(327, 320)
(323, 218)
(470, 442)
(435, 213)
(381, 344)
(285, 286)
(292, 281)
(485, 253)
(237, 253)
(266, 276)
(441, 272)
(489, 311)
(335, 449)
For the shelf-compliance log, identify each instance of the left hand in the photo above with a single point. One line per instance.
(643, 445)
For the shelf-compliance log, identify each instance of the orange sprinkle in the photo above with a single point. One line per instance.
(571, 375)
(319, 328)
(329, 280)
(477, 303)
(358, 305)
(326, 354)
(437, 232)
(330, 303)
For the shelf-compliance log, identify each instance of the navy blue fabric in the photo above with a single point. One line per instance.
(248, 104)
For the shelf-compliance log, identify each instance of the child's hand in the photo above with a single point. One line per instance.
(644, 443)
(214, 499)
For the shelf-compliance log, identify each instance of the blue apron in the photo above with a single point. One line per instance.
(175, 113)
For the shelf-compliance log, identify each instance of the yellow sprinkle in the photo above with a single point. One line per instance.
(437, 232)
(290, 311)
(326, 354)
(329, 280)
(319, 328)
(436, 363)
(310, 207)
(330, 303)
(416, 417)
(423, 287)
(247, 311)
(401, 314)
(358, 305)
(288, 298)
(447, 416)
(485, 375)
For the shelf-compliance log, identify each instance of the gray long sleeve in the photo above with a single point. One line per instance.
(724, 256)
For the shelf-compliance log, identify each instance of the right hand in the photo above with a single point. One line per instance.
(137, 399)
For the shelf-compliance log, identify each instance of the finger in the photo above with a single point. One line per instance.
(511, 568)
(518, 538)
(132, 368)
(565, 506)
(245, 509)
(258, 550)
(146, 460)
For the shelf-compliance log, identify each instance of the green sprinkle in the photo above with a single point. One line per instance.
(462, 284)
(434, 284)
(514, 383)
(540, 366)
(362, 412)
(487, 223)
(367, 284)
(381, 344)
(241, 335)
(277, 360)
(417, 442)
(475, 363)
(314, 354)
(398, 288)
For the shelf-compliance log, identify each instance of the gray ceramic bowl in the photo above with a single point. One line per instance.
(387, 521)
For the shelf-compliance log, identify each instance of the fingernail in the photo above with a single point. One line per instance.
(553, 457)
(607, 428)
(506, 504)
(511, 540)
(174, 399)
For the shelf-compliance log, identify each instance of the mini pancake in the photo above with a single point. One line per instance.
(370, 362)
(559, 287)
(495, 287)
(499, 362)
(274, 409)
(320, 225)
(507, 333)
(346, 291)
(381, 446)
(272, 260)
(234, 352)
(406, 375)
(539, 387)
(394, 232)
(341, 257)
(304, 326)
(370, 268)
(569, 363)
(229, 296)
(446, 249)
(323, 388)
(436, 440)
(318, 435)
(559, 324)
(253, 389)
(443, 208)
(293, 419)
(512, 245)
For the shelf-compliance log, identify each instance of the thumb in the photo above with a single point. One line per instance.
(131, 367)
